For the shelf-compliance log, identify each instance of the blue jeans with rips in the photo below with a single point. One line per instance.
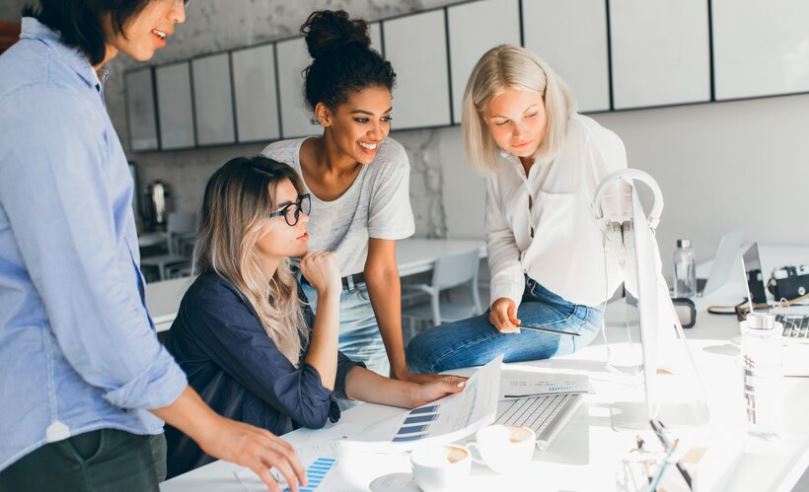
(475, 342)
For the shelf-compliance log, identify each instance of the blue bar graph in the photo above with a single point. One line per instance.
(430, 409)
(408, 438)
(315, 474)
(413, 429)
(420, 419)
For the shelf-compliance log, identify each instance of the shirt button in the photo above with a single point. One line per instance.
(57, 431)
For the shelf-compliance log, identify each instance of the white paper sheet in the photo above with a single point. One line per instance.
(443, 421)
(516, 384)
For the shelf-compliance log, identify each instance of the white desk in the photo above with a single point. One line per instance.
(585, 456)
(418, 255)
(412, 256)
(163, 300)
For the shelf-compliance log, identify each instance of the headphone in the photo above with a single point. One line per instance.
(627, 176)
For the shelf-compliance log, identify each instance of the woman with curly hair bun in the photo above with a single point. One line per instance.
(358, 178)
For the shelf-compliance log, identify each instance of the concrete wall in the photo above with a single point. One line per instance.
(10, 9)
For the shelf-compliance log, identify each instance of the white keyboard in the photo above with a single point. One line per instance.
(546, 414)
(796, 327)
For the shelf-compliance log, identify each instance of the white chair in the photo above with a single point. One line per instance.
(180, 226)
(448, 272)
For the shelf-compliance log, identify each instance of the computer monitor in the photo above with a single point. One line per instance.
(675, 395)
(751, 262)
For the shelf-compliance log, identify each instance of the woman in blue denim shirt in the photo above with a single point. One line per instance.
(245, 335)
(543, 162)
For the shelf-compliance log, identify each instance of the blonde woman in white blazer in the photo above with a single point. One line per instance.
(543, 162)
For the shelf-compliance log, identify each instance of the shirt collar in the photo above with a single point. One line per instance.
(73, 57)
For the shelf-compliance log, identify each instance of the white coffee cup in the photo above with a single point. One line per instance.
(440, 467)
(503, 448)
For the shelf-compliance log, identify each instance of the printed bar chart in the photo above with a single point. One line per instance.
(316, 473)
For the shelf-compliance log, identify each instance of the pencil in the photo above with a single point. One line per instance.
(552, 330)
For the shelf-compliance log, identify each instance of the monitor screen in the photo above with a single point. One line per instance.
(754, 276)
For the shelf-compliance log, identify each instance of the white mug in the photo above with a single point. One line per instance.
(440, 467)
(503, 448)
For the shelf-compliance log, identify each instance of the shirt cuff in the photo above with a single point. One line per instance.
(158, 386)
(510, 288)
(344, 365)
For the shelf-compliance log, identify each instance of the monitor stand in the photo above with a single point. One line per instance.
(678, 392)
(634, 415)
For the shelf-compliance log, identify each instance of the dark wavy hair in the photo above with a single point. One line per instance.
(79, 22)
(343, 61)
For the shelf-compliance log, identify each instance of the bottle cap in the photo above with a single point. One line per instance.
(683, 243)
(760, 321)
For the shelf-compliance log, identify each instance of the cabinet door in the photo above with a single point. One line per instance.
(175, 108)
(375, 33)
(213, 100)
(761, 48)
(416, 45)
(296, 117)
(571, 36)
(140, 110)
(660, 52)
(255, 93)
(474, 28)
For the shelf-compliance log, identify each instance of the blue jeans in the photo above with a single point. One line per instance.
(359, 339)
(475, 342)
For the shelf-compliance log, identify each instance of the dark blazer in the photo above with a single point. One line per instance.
(237, 369)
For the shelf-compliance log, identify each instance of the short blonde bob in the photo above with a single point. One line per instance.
(512, 67)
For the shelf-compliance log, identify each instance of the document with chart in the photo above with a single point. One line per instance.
(446, 420)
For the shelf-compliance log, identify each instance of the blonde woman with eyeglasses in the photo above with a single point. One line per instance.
(245, 333)
(542, 163)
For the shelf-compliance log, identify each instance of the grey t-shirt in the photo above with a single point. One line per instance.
(376, 205)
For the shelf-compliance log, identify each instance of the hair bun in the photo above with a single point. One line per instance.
(326, 31)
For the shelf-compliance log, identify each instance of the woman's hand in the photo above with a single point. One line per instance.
(427, 392)
(222, 438)
(503, 315)
(415, 377)
(257, 449)
(320, 270)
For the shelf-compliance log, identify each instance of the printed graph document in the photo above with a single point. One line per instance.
(443, 421)
(518, 384)
(320, 452)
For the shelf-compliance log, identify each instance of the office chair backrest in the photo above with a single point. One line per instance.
(179, 224)
(457, 269)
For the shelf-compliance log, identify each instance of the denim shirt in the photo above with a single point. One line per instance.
(238, 370)
(77, 348)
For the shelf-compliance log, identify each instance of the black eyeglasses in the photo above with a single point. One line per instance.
(292, 211)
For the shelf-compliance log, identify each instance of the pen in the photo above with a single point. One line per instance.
(665, 441)
(661, 468)
(552, 330)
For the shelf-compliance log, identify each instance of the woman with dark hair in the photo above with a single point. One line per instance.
(358, 178)
(84, 384)
(244, 333)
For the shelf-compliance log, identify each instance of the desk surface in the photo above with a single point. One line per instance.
(585, 456)
(412, 256)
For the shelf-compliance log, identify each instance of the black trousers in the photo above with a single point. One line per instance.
(103, 460)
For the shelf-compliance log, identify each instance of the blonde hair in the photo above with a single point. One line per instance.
(512, 67)
(237, 199)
